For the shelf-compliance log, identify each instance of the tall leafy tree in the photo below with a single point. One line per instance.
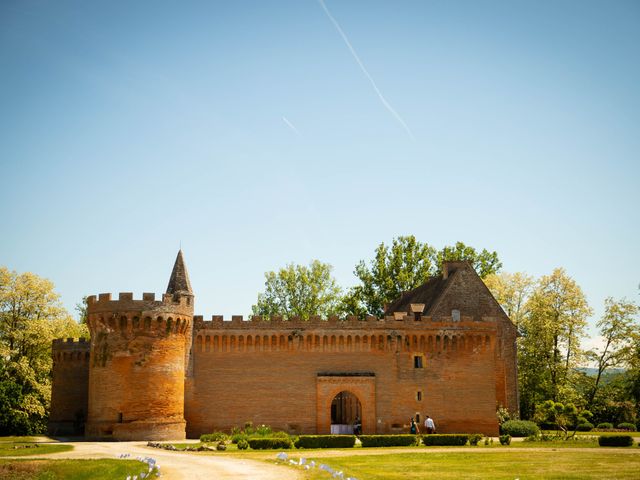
(550, 349)
(298, 290)
(485, 262)
(402, 266)
(407, 264)
(31, 316)
(512, 291)
(619, 331)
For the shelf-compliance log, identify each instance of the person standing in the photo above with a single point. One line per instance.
(414, 427)
(429, 424)
(357, 426)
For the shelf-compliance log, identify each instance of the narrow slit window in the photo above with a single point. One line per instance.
(417, 361)
(419, 395)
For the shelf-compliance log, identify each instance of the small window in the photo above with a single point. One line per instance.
(419, 395)
(417, 361)
(455, 315)
(418, 418)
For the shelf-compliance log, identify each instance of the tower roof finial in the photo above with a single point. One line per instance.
(179, 282)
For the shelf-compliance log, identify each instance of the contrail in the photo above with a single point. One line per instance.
(364, 70)
(295, 130)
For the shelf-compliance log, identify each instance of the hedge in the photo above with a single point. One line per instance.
(616, 441)
(325, 441)
(457, 439)
(627, 426)
(270, 443)
(519, 428)
(389, 440)
(605, 425)
(585, 427)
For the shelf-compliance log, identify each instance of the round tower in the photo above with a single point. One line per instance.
(139, 358)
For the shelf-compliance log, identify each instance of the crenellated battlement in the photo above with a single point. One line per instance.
(125, 301)
(71, 344)
(398, 321)
(70, 349)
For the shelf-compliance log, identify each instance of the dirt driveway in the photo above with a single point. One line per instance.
(178, 466)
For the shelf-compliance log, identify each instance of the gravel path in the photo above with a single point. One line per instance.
(178, 466)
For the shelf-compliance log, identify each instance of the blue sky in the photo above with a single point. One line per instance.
(248, 132)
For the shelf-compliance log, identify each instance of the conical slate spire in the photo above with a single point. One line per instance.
(179, 282)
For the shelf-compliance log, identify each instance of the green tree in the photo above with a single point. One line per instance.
(619, 330)
(565, 416)
(81, 308)
(31, 316)
(405, 265)
(549, 347)
(485, 263)
(298, 290)
(512, 291)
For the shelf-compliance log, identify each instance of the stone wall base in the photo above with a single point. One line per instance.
(144, 430)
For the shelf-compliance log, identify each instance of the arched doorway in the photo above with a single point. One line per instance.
(345, 411)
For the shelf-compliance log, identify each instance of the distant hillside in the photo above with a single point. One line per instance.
(592, 372)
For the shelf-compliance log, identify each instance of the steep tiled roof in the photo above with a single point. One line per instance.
(426, 293)
(179, 282)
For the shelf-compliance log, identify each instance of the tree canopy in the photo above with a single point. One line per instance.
(404, 265)
(298, 290)
(31, 316)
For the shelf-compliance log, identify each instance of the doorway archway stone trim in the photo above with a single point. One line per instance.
(362, 385)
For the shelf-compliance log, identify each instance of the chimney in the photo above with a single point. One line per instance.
(417, 309)
(450, 266)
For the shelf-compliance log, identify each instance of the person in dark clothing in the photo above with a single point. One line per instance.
(414, 427)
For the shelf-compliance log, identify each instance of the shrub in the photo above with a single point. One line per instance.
(519, 428)
(627, 426)
(457, 439)
(243, 444)
(276, 435)
(213, 437)
(585, 427)
(403, 440)
(474, 438)
(264, 431)
(248, 428)
(270, 443)
(486, 440)
(221, 446)
(325, 441)
(505, 439)
(237, 437)
(605, 425)
(616, 441)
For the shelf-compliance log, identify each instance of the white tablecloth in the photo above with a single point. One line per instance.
(339, 429)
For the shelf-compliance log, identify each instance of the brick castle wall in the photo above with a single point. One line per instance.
(157, 372)
(285, 374)
(69, 402)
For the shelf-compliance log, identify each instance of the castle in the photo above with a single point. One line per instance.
(154, 371)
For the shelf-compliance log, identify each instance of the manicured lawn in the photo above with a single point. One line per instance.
(494, 463)
(17, 439)
(69, 469)
(20, 446)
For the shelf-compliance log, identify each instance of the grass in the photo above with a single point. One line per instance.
(494, 464)
(22, 446)
(19, 439)
(65, 469)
